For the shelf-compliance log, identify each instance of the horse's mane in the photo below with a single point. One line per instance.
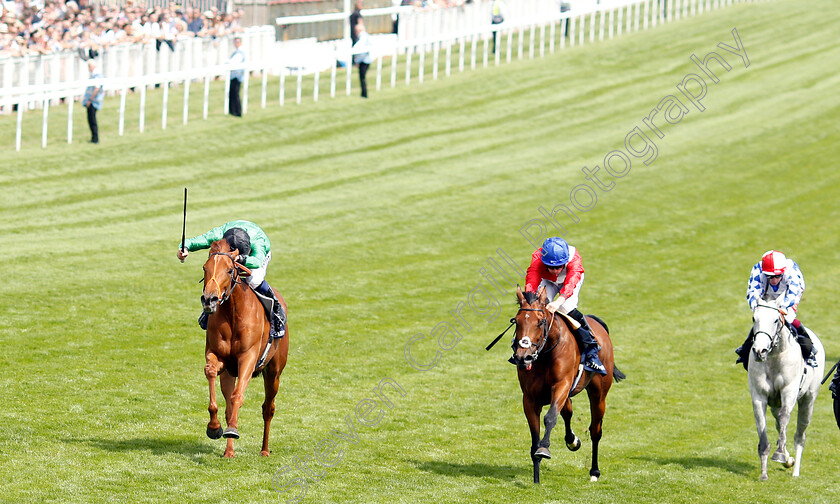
(220, 246)
(531, 297)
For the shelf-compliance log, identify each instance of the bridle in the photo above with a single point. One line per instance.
(526, 342)
(234, 277)
(774, 338)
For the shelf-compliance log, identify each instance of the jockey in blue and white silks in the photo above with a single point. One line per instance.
(779, 279)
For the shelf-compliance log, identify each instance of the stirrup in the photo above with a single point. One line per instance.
(594, 366)
(278, 333)
(279, 321)
(278, 327)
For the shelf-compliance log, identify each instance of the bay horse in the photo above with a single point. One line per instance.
(548, 359)
(237, 334)
(778, 377)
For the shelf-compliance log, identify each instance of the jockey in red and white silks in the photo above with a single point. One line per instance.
(566, 282)
(557, 267)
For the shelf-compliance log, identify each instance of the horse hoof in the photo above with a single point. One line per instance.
(231, 433)
(763, 477)
(574, 445)
(214, 433)
(265, 453)
(593, 478)
(542, 453)
(779, 457)
(789, 462)
(229, 454)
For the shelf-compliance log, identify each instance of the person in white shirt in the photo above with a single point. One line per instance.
(361, 55)
(236, 77)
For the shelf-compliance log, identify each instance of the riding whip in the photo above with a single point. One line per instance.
(488, 347)
(829, 372)
(184, 228)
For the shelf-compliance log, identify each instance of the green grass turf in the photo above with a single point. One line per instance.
(381, 214)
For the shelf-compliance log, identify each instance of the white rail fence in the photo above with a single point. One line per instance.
(131, 60)
(454, 51)
(469, 17)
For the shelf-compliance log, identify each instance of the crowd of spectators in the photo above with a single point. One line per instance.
(48, 26)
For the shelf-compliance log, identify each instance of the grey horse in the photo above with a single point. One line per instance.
(778, 377)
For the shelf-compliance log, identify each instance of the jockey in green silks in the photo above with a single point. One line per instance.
(254, 252)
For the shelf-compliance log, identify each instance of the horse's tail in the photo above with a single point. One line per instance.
(618, 375)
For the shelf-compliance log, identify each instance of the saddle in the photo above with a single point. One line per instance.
(574, 324)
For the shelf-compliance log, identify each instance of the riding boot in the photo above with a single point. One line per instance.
(202, 320)
(743, 351)
(278, 318)
(804, 340)
(835, 383)
(588, 344)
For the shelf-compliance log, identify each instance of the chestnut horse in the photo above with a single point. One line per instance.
(548, 359)
(237, 334)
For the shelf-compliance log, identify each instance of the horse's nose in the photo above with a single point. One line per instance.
(528, 362)
(209, 303)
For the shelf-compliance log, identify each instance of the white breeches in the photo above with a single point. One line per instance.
(552, 289)
(258, 274)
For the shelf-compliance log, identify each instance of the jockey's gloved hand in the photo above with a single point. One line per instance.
(556, 304)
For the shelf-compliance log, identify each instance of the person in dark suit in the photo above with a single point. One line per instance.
(92, 100)
(236, 76)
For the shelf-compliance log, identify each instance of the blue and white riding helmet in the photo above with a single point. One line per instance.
(555, 252)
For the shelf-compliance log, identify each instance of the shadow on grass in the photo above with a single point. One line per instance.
(186, 447)
(690, 463)
(478, 470)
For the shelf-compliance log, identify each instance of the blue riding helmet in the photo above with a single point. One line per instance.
(555, 252)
